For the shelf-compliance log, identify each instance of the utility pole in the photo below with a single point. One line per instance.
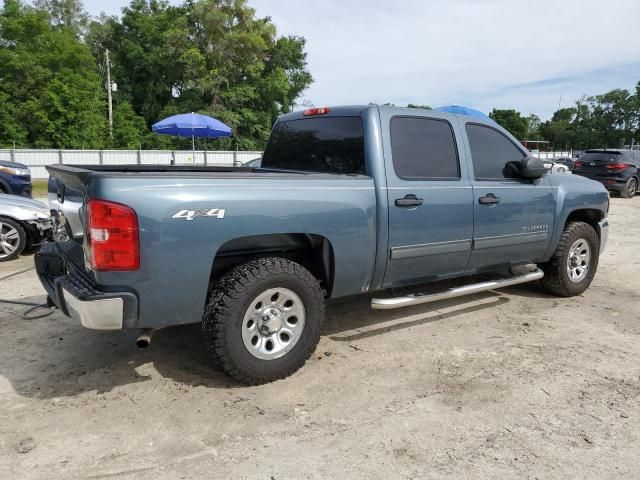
(109, 97)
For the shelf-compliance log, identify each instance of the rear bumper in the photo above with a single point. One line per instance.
(95, 313)
(79, 298)
(615, 183)
(603, 227)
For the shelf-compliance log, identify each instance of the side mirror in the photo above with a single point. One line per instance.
(532, 167)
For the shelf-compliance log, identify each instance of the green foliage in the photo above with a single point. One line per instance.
(49, 89)
(208, 56)
(65, 13)
(424, 107)
(608, 120)
(533, 127)
(211, 56)
(512, 121)
(129, 129)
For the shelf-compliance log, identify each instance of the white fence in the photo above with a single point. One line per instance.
(550, 155)
(37, 160)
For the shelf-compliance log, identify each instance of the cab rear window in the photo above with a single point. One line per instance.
(327, 145)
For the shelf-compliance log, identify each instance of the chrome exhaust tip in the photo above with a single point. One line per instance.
(144, 339)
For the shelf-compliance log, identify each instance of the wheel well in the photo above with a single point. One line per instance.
(314, 252)
(589, 215)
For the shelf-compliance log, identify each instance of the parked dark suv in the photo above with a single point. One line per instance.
(618, 170)
(15, 179)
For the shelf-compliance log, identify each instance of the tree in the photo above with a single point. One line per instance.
(533, 127)
(607, 120)
(49, 83)
(424, 107)
(65, 13)
(512, 121)
(209, 56)
(129, 128)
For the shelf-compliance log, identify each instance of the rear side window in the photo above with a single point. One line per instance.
(491, 151)
(424, 149)
(329, 144)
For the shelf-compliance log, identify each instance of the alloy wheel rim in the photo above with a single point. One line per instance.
(273, 323)
(9, 240)
(631, 189)
(578, 260)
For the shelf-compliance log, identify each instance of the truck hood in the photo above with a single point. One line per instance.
(577, 183)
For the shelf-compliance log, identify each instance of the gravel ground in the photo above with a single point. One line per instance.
(508, 384)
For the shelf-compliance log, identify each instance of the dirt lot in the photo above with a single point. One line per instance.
(509, 384)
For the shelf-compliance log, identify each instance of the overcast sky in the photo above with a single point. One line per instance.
(527, 55)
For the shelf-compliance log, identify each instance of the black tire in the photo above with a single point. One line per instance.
(556, 276)
(21, 243)
(630, 188)
(230, 300)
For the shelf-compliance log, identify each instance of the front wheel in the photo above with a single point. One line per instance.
(263, 319)
(574, 263)
(13, 239)
(630, 188)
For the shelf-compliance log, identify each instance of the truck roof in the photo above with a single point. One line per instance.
(357, 110)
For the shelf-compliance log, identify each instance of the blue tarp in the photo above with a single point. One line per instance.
(459, 110)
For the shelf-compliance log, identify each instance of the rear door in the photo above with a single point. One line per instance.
(513, 217)
(429, 197)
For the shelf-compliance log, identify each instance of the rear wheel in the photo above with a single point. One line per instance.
(263, 320)
(630, 188)
(574, 263)
(13, 239)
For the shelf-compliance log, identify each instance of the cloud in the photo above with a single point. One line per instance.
(483, 53)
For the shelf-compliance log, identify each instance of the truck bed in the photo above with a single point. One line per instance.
(78, 176)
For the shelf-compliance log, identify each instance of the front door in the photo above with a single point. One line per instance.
(430, 200)
(513, 217)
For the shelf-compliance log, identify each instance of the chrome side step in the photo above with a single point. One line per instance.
(418, 298)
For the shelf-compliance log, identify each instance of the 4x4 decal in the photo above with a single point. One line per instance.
(205, 212)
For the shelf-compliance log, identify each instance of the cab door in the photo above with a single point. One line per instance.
(430, 198)
(513, 217)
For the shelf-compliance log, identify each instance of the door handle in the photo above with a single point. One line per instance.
(409, 201)
(489, 199)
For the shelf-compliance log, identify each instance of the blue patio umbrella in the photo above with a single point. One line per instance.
(192, 125)
(460, 110)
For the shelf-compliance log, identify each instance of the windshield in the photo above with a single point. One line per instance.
(329, 144)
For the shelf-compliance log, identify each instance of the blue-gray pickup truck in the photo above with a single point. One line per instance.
(347, 200)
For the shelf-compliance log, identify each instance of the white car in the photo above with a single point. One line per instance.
(24, 223)
(556, 167)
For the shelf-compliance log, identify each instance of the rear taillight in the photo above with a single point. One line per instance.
(113, 236)
(312, 112)
(577, 165)
(617, 166)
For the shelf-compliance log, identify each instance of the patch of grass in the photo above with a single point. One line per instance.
(39, 188)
